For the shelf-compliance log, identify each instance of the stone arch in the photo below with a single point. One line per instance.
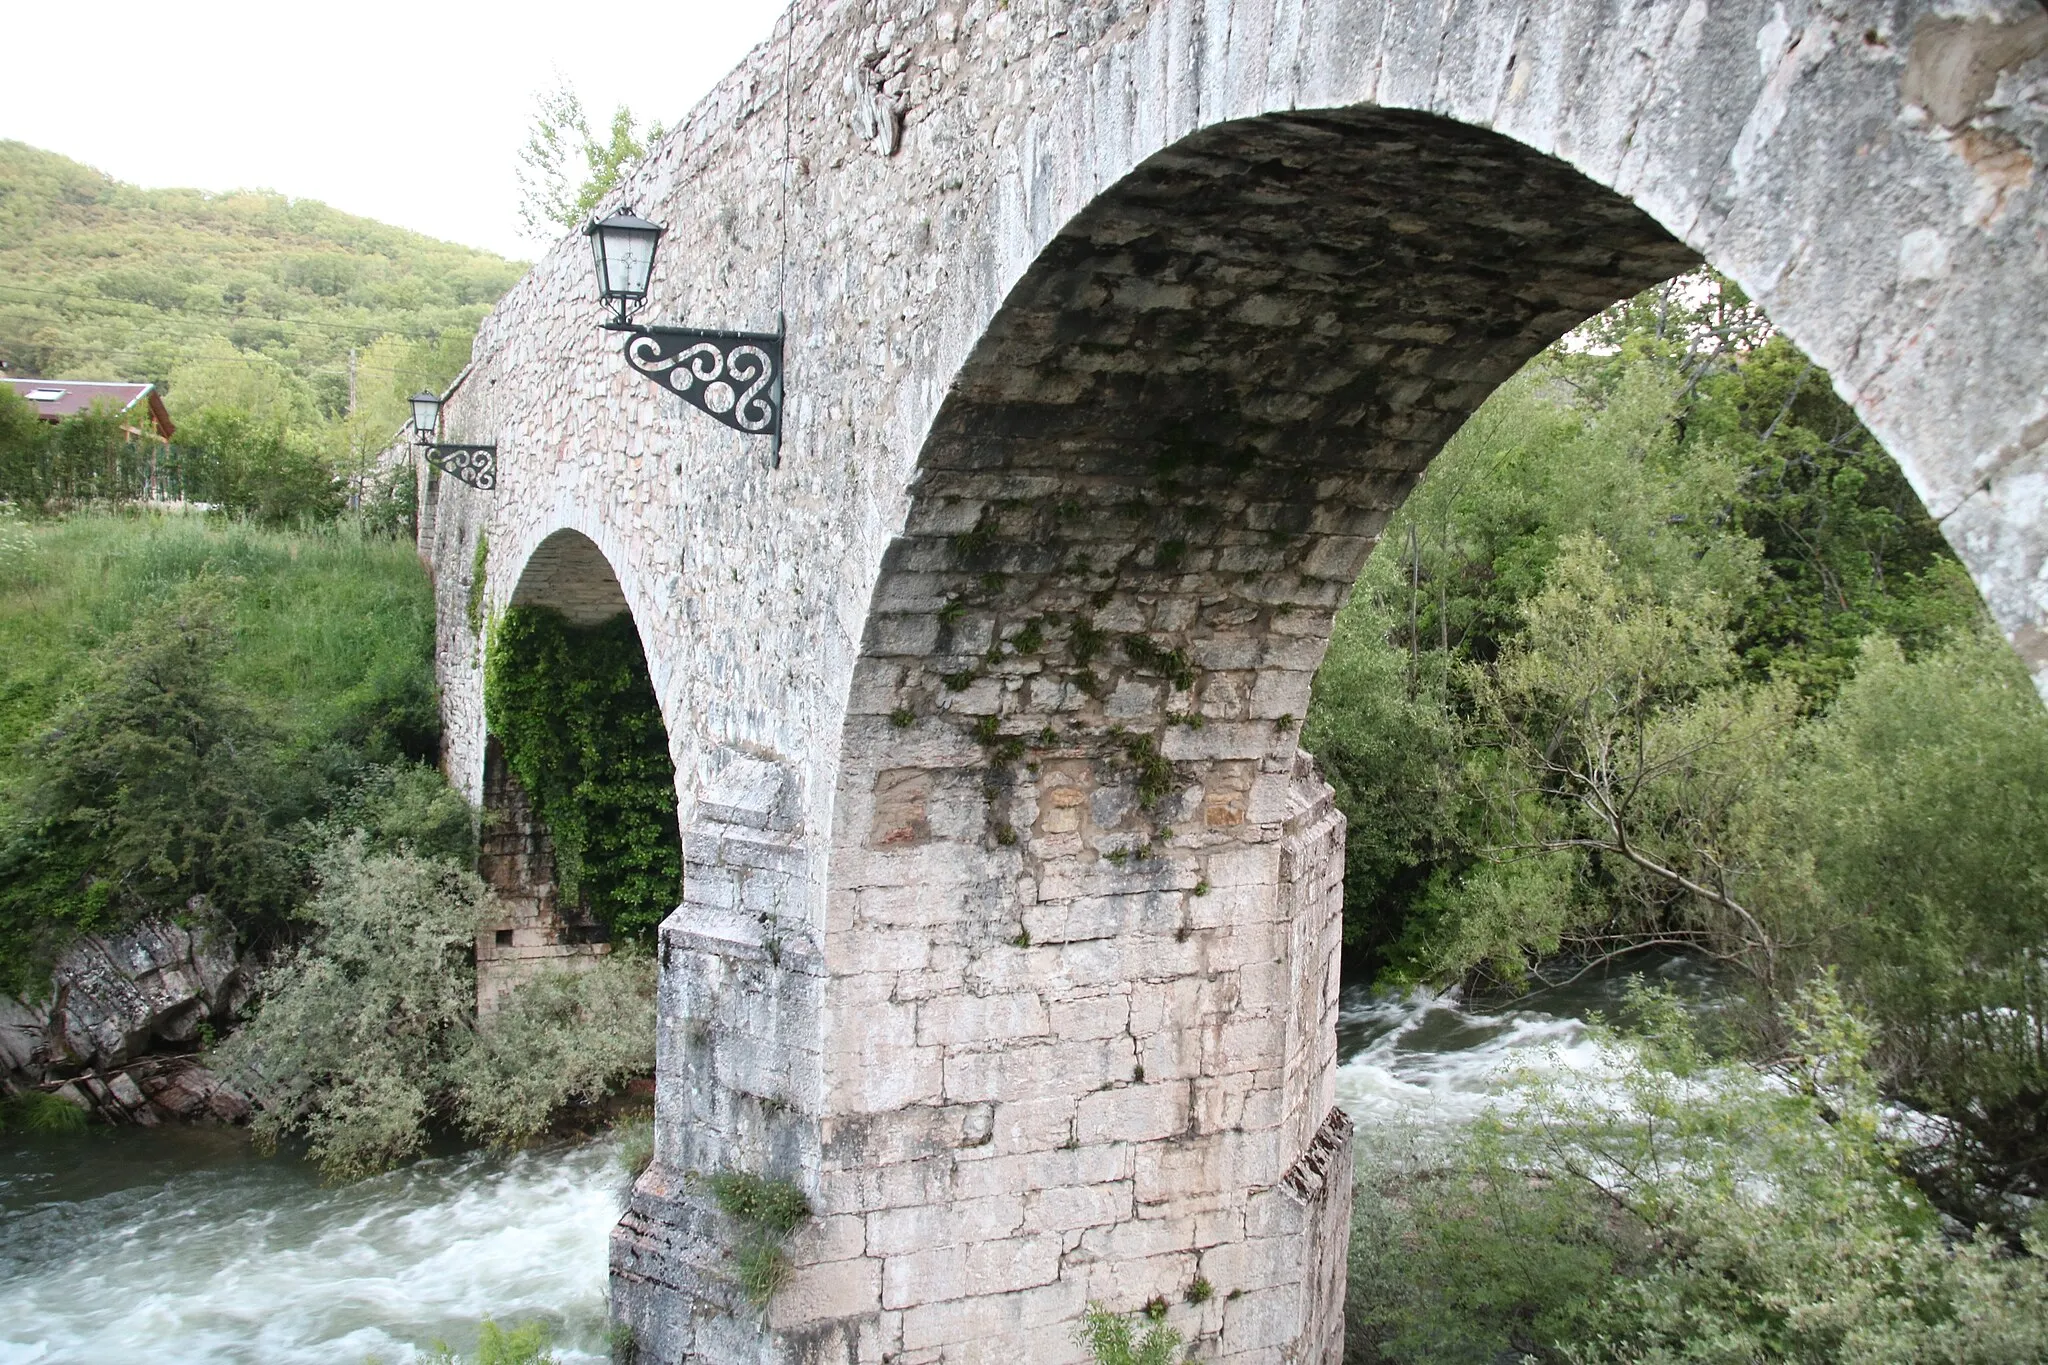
(516, 856)
(1069, 780)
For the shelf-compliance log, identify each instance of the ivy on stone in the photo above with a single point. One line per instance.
(576, 712)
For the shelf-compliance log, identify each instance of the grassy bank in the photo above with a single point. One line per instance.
(329, 624)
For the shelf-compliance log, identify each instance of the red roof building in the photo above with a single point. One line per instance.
(56, 399)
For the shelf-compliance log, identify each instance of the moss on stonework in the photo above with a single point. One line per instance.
(478, 565)
(1173, 664)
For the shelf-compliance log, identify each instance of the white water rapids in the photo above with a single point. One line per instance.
(186, 1247)
(177, 1247)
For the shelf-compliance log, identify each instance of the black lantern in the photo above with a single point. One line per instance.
(734, 377)
(622, 248)
(473, 464)
(426, 413)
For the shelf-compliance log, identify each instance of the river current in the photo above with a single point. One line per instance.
(185, 1246)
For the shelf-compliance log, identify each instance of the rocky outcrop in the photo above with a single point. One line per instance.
(123, 1015)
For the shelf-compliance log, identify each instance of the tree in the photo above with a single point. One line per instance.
(149, 790)
(564, 170)
(24, 447)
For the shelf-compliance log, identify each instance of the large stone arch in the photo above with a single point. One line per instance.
(1071, 805)
(984, 309)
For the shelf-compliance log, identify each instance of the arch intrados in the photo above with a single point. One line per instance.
(568, 572)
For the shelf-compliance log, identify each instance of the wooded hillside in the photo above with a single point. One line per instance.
(105, 280)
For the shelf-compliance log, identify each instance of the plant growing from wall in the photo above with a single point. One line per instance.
(768, 1209)
(1112, 1338)
(478, 567)
(576, 712)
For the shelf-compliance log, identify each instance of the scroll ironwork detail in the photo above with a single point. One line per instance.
(733, 377)
(475, 465)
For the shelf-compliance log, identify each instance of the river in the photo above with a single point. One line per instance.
(185, 1246)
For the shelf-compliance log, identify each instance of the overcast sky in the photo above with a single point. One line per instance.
(412, 113)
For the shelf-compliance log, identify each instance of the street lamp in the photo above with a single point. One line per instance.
(622, 248)
(734, 377)
(475, 465)
(426, 413)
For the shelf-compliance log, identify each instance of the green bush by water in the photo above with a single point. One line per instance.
(1716, 1213)
(367, 1036)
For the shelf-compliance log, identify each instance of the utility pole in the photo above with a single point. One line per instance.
(351, 381)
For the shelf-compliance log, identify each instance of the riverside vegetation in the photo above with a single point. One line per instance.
(1663, 652)
(236, 725)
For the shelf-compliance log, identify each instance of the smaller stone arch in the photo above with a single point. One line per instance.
(516, 855)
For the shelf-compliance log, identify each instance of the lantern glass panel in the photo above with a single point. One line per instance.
(630, 261)
(426, 413)
(622, 250)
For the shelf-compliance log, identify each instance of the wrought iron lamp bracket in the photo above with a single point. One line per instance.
(475, 465)
(732, 377)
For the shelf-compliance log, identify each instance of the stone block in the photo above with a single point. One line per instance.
(925, 1227)
(1075, 1207)
(1133, 1113)
(984, 1268)
(821, 1293)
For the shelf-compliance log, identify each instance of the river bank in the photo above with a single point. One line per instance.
(184, 1245)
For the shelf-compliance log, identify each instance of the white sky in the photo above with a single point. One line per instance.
(412, 113)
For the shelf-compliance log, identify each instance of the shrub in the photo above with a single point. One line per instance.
(526, 1344)
(34, 1111)
(258, 467)
(564, 1037)
(1711, 1212)
(1112, 1339)
(360, 1025)
(636, 1147)
(407, 805)
(767, 1209)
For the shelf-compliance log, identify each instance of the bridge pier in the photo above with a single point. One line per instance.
(1115, 1088)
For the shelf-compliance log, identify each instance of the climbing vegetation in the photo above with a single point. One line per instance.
(583, 733)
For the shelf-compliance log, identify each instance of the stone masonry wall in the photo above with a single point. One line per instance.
(516, 859)
(1143, 314)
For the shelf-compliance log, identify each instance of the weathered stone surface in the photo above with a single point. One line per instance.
(516, 859)
(1116, 331)
(121, 1011)
(113, 997)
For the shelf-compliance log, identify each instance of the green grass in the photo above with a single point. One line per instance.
(327, 621)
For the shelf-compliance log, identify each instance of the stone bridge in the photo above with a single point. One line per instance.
(1116, 330)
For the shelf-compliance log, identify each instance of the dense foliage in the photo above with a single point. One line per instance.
(1708, 1211)
(367, 1035)
(1663, 651)
(182, 698)
(582, 730)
